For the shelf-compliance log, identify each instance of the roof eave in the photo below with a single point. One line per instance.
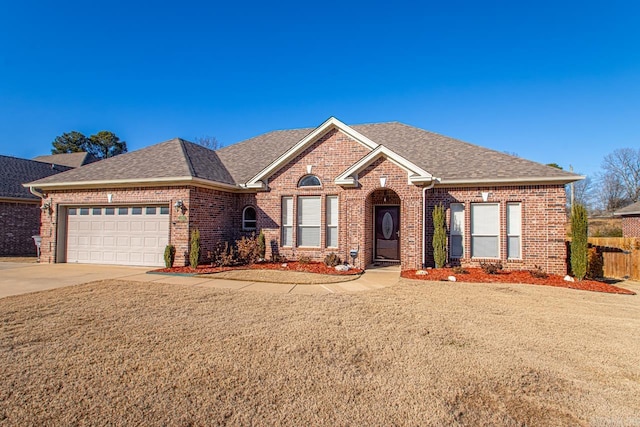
(510, 181)
(123, 183)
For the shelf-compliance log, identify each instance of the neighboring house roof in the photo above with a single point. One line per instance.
(73, 160)
(171, 161)
(14, 172)
(632, 209)
(425, 155)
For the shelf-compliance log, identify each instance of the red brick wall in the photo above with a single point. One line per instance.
(543, 223)
(18, 222)
(179, 227)
(631, 226)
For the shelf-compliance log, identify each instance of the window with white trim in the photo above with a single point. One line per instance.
(309, 219)
(456, 231)
(332, 221)
(485, 230)
(287, 221)
(249, 219)
(514, 230)
(309, 181)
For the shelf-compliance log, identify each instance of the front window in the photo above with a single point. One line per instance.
(287, 221)
(309, 219)
(332, 221)
(456, 234)
(514, 230)
(249, 218)
(485, 230)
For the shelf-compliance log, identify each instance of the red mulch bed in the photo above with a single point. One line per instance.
(477, 275)
(311, 267)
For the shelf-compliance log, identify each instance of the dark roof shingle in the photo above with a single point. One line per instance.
(74, 160)
(14, 172)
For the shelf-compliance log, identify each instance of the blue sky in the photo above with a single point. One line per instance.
(553, 81)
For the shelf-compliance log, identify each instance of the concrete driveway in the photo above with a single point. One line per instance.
(21, 278)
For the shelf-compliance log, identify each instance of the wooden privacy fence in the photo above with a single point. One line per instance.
(621, 256)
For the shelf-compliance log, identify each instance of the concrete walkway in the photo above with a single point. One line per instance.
(19, 278)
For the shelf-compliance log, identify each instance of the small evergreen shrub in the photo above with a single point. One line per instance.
(579, 244)
(332, 260)
(169, 255)
(595, 263)
(491, 267)
(262, 245)
(439, 237)
(194, 251)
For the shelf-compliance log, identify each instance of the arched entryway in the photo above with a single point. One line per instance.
(384, 206)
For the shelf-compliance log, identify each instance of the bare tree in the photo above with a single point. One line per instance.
(623, 166)
(611, 193)
(208, 141)
(583, 193)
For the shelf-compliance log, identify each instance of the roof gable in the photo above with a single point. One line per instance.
(329, 125)
(74, 160)
(416, 175)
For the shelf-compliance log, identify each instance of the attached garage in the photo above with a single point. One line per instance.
(123, 235)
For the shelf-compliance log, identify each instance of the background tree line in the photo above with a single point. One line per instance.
(615, 186)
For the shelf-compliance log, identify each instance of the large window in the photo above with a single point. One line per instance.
(309, 218)
(514, 230)
(249, 218)
(485, 230)
(456, 234)
(287, 221)
(332, 221)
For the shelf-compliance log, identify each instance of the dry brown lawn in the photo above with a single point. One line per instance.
(417, 353)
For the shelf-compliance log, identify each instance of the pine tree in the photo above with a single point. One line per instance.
(439, 237)
(579, 244)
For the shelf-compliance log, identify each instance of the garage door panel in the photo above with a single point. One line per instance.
(117, 239)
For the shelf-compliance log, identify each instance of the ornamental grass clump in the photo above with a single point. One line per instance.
(439, 237)
(194, 251)
(579, 244)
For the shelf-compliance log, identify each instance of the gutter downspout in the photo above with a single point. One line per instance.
(424, 219)
(35, 192)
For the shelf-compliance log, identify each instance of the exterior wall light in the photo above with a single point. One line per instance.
(46, 207)
(179, 205)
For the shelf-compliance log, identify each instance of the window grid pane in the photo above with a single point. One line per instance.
(485, 230)
(309, 219)
(456, 239)
(514, 230)
(287, 221)
(332, 222)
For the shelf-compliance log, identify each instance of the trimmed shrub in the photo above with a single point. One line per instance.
(332, 260)
(538, 273)
(169, 255)
(194, 251)
(579, 244)
(439, 237)
(262, 245)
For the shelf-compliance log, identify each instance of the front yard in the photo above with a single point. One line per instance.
(416, 353)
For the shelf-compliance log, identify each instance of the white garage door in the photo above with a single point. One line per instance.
(133, 235)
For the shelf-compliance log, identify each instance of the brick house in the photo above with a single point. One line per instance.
(19, 208)
(335, 188)
(630, 220)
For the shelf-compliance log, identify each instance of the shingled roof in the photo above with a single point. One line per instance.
(73, 160)
(173, 160)
(15, 171)
(632, 209)
(450, 159)
(453, 161)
